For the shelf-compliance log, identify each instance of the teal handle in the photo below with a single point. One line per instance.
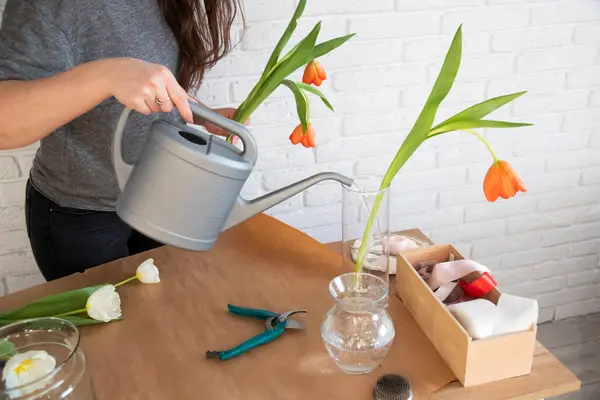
(265, 337)
(251, 312)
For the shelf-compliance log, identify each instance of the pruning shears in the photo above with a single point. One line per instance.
(275, 324)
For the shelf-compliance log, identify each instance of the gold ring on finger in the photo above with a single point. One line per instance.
(161, 102)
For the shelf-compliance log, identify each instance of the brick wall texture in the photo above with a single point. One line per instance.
(543, 244)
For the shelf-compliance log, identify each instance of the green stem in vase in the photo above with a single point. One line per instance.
(405, 152)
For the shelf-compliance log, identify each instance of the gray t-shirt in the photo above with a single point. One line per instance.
(39, 39)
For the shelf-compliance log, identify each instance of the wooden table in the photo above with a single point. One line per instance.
(157, 351)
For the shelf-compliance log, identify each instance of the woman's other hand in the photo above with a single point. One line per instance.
(146, 87)
(216, 130)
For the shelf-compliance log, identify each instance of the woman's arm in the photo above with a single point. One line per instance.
(31, 110)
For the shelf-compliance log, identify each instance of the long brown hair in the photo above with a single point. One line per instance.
(202, 29)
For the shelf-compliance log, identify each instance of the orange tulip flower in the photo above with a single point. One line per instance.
(314, 73)
(309, 138)
(501, 180)
(298, 136)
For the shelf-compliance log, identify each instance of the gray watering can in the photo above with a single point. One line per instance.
(185, 187)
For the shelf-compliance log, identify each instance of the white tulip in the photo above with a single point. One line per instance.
(27, 369)
(147, 272)
(104, 304)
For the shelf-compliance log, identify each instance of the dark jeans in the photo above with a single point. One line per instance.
(67, 240)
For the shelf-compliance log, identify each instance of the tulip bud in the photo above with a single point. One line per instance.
(502, 180)
(314, 73)
(104, 304)
(147, 272)
(309, 138)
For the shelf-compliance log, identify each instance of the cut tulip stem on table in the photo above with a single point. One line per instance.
(86, 306)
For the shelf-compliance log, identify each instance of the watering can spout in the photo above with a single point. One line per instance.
(245, 209)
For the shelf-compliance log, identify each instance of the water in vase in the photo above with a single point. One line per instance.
(358, 335)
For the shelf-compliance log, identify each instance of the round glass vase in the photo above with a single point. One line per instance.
(359, 202)
(69, 379)
(358, 331)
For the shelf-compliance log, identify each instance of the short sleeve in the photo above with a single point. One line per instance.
(31, 45)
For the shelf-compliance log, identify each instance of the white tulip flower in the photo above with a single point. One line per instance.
(147, 272)
(104, 304)
(23, 372)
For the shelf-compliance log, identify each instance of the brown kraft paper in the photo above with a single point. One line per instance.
(158, 350)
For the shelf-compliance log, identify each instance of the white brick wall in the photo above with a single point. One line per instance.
(543, 244)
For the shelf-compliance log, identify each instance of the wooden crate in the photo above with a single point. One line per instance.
(473, 361)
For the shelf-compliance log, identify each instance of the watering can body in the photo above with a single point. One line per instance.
(184, 189)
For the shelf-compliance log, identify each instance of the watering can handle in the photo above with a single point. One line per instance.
(123, 169)
(250, 151)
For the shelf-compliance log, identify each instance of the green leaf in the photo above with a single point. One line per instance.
(316, 91)
(53, 305)
(300, 56)
(422, 126)
(264, 85)
(273, 62)
(325, 47)
(241, 111)
(302, 51)
(301, 103)
(7, 349)
(288, 55)
(472, 124)
(77, 320)
(287, 34)
(482, 109)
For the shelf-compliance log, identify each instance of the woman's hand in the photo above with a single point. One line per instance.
(146, 87)
(214, 129)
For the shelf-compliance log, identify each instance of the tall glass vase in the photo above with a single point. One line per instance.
(358, 203)
(41, 359)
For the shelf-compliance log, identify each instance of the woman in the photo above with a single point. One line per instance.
(67, 68)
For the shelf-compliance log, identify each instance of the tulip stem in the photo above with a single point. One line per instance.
(485, 142)
(82, 310)
(125, 281)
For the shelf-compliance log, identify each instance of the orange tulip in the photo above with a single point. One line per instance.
(501, 180)
(298, 136)
(309, 138)
(314, 73)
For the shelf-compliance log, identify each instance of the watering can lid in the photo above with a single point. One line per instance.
(204, 150)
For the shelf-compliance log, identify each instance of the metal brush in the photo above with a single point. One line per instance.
(392, 387)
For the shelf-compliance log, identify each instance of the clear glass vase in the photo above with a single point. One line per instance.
(68, 379)
(358, 202)
(358, 331)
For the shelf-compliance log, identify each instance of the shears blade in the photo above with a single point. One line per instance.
(293, 324)
(270, 323)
